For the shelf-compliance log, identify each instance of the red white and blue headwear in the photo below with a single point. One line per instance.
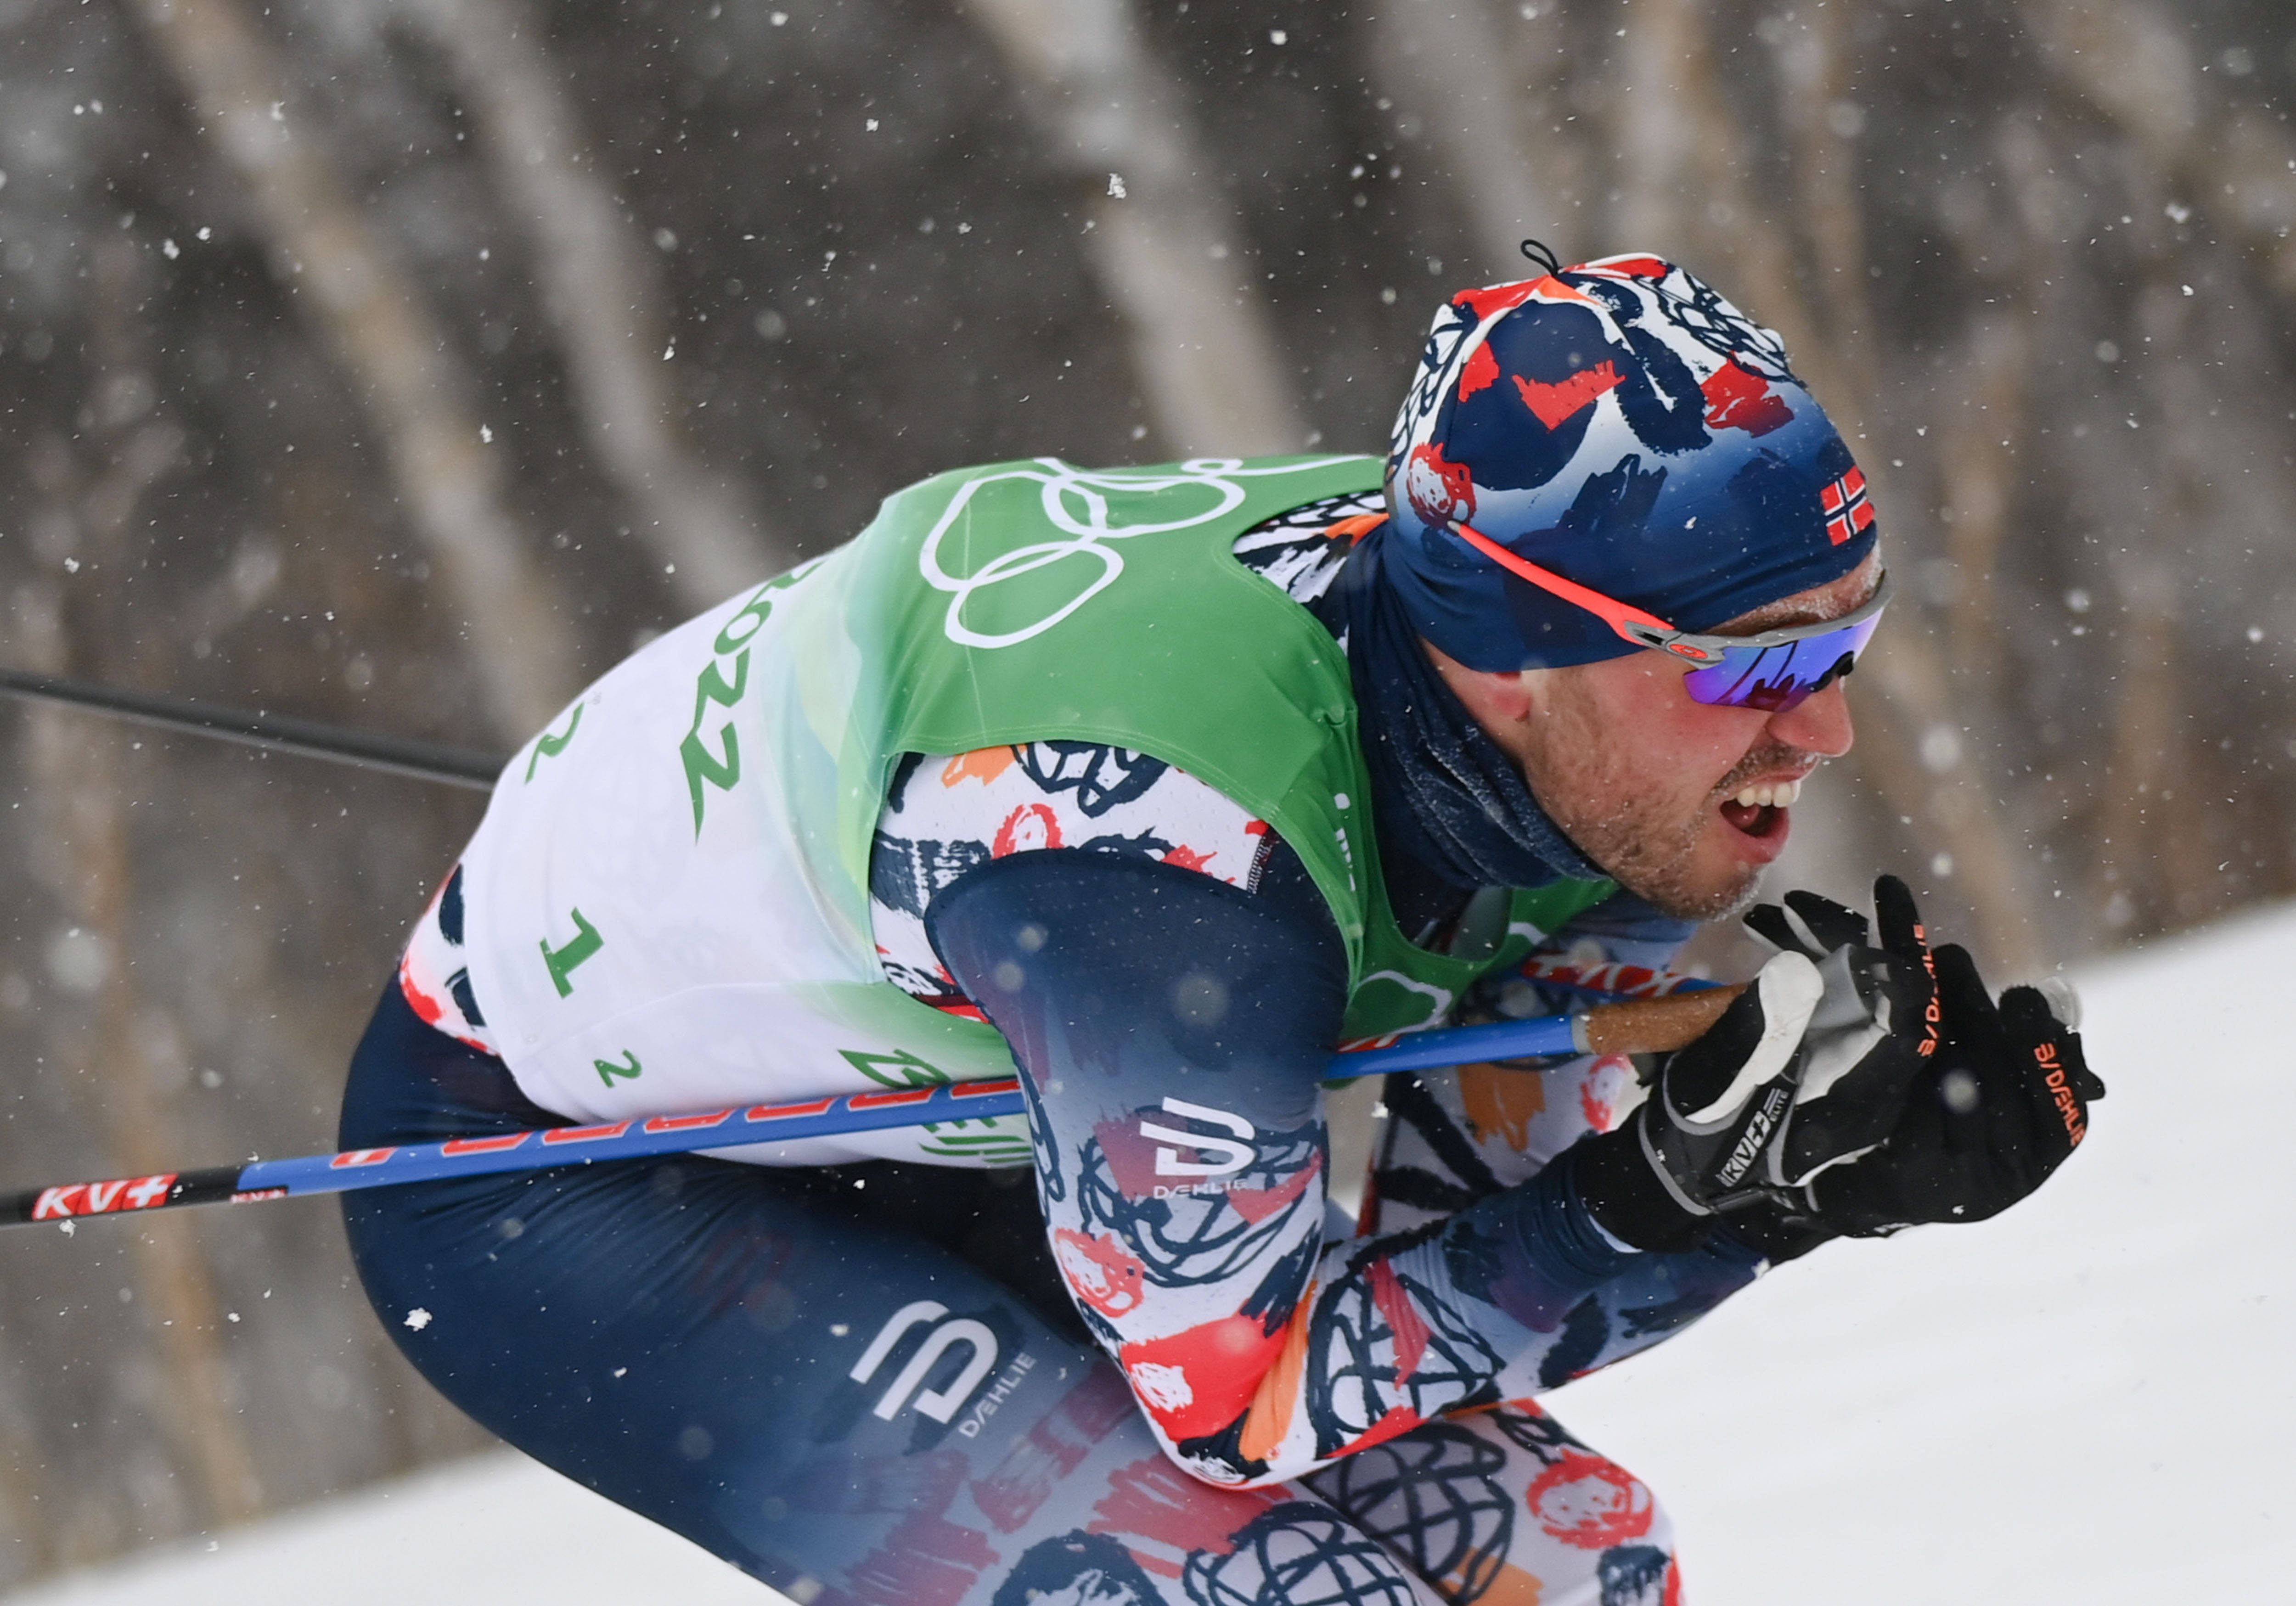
(1621, 425)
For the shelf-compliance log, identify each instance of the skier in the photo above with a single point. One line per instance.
(1160, 782)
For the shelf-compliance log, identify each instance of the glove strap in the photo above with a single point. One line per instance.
(1665, 1173)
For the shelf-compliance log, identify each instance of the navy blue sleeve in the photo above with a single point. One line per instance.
(1171, 1032)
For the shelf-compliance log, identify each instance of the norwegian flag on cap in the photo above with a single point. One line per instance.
(1847, 511)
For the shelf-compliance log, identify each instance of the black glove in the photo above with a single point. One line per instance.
(2003, 1103)
(1850, 1096)
(1861, 1112)
(1809, 1068)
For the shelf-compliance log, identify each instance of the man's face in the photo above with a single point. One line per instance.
(1646, 782)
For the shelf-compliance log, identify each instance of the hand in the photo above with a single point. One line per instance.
(2002, 1105)
(1809, 1067)
(1850, 1096)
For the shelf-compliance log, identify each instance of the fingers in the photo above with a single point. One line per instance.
(2000, 1102)
(2025, 1011)
(1807, 924)
(1897, 921)
(1830, 924)
(1769, 922)
(2060, 1116)
(2029, 1016)
(2030, 1068)
(1966, 1006)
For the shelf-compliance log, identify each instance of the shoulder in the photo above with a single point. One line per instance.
(1072, 794)
(946, 813)
(1300, 550)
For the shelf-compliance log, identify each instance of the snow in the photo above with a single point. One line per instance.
(2087, 1399)
(493, 1529)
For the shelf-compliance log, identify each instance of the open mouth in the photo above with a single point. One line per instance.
(1760, 811)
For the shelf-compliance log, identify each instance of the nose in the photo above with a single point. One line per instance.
(1819, 724)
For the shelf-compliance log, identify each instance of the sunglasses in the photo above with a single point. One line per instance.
(1773, 671)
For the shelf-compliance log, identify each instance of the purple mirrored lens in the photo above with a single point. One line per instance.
(1778, 678)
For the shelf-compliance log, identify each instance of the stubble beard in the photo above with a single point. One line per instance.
(1653, 852)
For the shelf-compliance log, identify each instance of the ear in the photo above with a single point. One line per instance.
(1497, 699)
(1512, 698)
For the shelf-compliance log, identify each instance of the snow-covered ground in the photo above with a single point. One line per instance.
(2088, 1400)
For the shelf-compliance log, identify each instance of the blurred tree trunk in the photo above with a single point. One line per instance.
(1976, 439)
(79, 776)
(2134, 63)
(1450, 66)
(1687, 173)
(603, 300)
(398, 360)
(82, 776)
(2136, 881)
(1164, 243)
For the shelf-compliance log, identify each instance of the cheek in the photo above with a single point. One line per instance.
(1707, 741)
(1670, 746)
(1624, 742)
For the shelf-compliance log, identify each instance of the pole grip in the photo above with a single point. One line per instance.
(1649, 1026)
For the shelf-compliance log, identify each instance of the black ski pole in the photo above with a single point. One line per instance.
(281, 733)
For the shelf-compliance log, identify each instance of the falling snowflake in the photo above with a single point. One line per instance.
(418, 1318)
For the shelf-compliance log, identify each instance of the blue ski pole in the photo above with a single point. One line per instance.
(1683, 1011)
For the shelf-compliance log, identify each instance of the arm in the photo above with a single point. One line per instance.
(1148, 1006)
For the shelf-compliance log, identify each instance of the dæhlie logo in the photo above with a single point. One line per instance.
(939, 1403)
(1220, 1156)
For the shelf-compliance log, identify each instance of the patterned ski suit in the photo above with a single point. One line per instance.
(887, 1382)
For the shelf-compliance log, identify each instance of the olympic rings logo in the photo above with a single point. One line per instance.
(1083, 505)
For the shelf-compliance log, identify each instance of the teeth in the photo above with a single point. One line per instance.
(1781, 796)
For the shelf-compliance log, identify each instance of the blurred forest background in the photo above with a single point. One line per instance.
(403, 362)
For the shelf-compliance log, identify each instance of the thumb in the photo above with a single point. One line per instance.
(1754, 1041)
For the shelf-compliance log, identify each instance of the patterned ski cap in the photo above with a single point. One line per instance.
(1621, 424)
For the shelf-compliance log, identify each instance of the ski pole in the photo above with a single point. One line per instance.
(366, 749)
(1635, 1026)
